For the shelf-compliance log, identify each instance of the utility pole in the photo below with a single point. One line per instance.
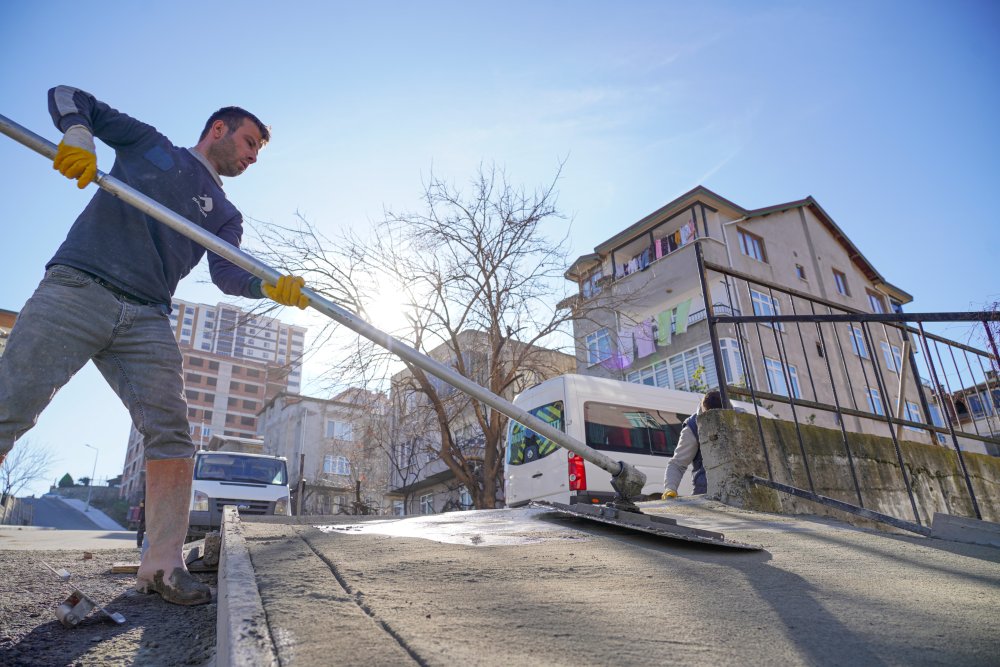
(90, 487)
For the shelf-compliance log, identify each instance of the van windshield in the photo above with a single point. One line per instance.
(620, 428)
(524, 445)
(236, 468)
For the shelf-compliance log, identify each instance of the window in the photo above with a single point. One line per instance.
(213, 365)
(694, 369)
(913, 415)
(598, 347)
(339, 430)
(196, 361)
(185, 332)
(875, 402)
(937, 420)
(752, 245)
(858, 341)
(590, 287)
(841, 281)
(776, 378)
(193, 378)
(800, 271)
(893, 357)
(427, 504)
(524, 445)
(764, 304)
(336, 465)
(876, 302)
(398, 508)
(249, 405)
(979, 405)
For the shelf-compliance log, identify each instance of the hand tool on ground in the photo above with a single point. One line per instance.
(625, 478)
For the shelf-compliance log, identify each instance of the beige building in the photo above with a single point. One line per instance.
(421, 482)
(233, 362)
(332, 444)
(643, 318)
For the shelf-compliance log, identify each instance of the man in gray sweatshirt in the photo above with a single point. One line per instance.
(106, 297)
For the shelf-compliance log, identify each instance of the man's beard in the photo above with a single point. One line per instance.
(223, 154)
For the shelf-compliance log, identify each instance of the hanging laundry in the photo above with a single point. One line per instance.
(683, 309)
(663, 328)
(644, 339)
(687, 233)
(625, 346)
(658, 247)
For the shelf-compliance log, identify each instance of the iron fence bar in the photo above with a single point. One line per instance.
(826, 407)
(993, 344)
(880, 381)
(961, 383)
(844, 507)
(840, 416)
(888, 317)
(720, 369)
(918, 380)
(805, 355)
(989, 394)
(951, 429)
(847, 371)
(853, 316)
(787, 373)
(747, 362)
(760, 342)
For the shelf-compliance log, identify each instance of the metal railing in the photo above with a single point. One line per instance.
(830, 359)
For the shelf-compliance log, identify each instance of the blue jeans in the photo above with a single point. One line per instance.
(70, 320)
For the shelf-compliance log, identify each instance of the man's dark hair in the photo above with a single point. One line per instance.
(712, 400)
(233, 117)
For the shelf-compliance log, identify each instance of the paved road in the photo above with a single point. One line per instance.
(54, 513)
(523, 587)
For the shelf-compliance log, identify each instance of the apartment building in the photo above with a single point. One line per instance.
(234, 361)
(642, 317)
(420, 481)
(334, 445)
(7, 318)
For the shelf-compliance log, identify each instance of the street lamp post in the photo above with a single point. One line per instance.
(90, 487)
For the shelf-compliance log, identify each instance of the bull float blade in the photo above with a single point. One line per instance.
(655, 525)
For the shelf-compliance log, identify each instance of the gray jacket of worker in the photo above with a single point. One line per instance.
(687, 449)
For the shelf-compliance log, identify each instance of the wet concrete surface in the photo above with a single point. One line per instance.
(529, 587)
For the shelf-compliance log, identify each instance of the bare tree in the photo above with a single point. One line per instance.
(478, 278)
(27, 462)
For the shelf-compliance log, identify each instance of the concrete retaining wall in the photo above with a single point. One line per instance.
(731, 449)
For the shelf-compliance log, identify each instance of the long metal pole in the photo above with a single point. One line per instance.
(90, 487)
(628, 479)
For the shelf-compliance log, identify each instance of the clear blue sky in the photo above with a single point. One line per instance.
(884, 111)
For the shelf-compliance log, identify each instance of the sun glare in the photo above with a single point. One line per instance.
(387, 309)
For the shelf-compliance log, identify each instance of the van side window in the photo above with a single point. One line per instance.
(619, 428)
(524, 445)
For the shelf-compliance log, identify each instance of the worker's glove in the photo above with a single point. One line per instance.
(76, 157)
(668, 494)
(288, 291)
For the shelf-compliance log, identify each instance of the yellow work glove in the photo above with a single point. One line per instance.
(76, 156)
(668, 494)
(288, 291)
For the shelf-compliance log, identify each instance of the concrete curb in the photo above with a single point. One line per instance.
(242, 633)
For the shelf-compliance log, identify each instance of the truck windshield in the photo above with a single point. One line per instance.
(235, 468)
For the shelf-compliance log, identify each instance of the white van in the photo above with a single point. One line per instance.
(630, 422)
(256, 484)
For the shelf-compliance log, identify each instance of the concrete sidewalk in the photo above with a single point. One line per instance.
(529, 587)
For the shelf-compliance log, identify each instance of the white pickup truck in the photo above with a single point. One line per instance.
(256, 484)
